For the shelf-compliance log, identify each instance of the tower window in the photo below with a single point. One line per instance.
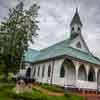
(72, 28)
(78, 45)
(78, 28)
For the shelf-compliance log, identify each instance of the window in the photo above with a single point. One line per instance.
(38, 71)
(49, 70)
(43, 70)
(78, 45)
(78, 28)
(72, 28)
(34, 71)
(62, 71)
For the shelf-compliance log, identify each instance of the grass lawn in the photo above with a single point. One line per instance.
(6, 93)
(53, 88)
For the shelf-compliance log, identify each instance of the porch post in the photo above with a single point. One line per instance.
(87, 67)
(96, 75)
(76, 69)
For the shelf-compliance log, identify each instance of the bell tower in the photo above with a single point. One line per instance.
(75, 25)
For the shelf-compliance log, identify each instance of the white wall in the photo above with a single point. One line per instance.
(56, 74)
(44, 79)
(83, 46)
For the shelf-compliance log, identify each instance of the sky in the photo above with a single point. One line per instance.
(55, 17)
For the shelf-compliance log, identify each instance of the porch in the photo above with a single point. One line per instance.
(81, 76)
(86, 85)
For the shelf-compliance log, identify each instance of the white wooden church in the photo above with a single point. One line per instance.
(67, 63)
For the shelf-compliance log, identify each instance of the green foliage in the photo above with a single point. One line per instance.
(6, 86)
(10, 75)
(16, 31)
(30, 96)
(53, 88)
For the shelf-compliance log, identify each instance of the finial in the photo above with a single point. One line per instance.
(76, 18)
(76, 9)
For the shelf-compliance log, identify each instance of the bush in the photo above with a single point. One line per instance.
(28, 96)
(6, 86)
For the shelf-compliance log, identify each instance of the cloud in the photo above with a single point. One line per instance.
(55, 17)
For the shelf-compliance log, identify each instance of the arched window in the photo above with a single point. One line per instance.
(78, 28)
(38, 71)
(72, 28)
(34, 71)
(91, 75)
(49, 70)
(43, 70)
(62, 71)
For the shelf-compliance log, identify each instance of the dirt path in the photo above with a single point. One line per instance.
(90, 96)
(47, 91)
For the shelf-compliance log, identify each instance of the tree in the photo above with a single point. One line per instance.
(20, 26)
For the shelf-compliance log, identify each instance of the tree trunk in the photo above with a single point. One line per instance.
(5, 78)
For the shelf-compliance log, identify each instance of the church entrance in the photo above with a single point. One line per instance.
(28, 73)
(69, 72)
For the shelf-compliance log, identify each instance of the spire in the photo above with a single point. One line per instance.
(76, 18)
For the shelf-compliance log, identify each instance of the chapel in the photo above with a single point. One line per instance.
(68, 63)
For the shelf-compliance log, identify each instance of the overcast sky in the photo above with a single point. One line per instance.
(55, 17)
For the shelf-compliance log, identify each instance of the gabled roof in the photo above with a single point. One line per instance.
(59, 49)
(76, 18)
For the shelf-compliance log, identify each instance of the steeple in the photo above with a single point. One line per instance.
(76, 18)
(76, 24)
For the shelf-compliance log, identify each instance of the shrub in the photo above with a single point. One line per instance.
(29, 96)
(6, 86)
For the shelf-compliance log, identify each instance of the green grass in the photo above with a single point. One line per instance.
(3, 91)
(6, 93)
(53, 88)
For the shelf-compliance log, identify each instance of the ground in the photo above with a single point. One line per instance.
(38, 93)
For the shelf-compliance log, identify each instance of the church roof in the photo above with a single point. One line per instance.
(30, 55)
(76, 18)
(63, 49)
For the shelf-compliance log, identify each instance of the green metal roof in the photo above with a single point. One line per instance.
(60, 49)
(63, 48)
(30, 55)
